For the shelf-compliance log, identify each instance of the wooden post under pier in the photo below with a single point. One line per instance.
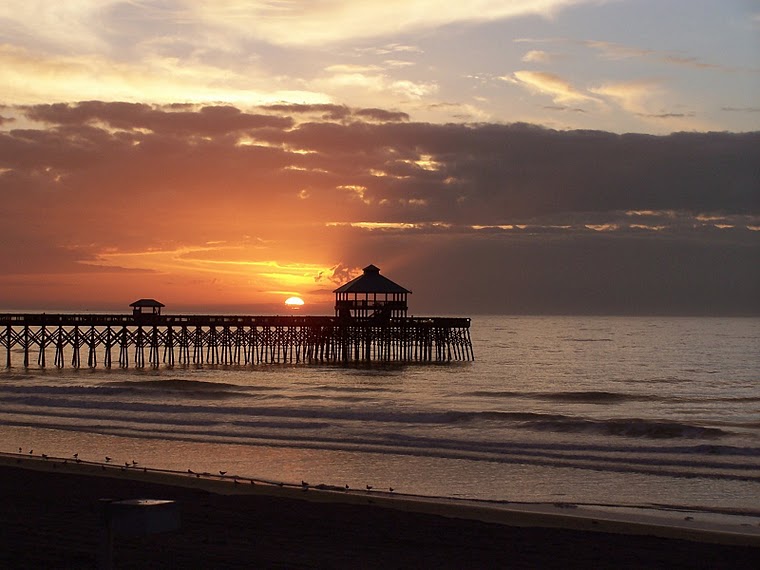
(234, 340)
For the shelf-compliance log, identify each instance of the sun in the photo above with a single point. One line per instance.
(294, 302)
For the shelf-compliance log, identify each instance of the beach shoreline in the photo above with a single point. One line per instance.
(317, 521)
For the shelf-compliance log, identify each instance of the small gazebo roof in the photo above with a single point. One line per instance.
(371, 282)
(146, 303)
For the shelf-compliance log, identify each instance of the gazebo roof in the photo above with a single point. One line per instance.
(371, 282)
(146, 303)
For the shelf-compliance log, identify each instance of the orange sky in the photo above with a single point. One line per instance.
(214, 208)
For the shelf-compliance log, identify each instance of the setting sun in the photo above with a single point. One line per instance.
(294, 302)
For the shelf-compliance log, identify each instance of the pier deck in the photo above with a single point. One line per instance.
(152, 340)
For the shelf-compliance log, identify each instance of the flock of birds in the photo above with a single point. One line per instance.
(236, 479)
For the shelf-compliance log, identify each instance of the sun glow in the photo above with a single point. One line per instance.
(294, 302)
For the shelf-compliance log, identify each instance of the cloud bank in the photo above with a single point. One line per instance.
(472, 217)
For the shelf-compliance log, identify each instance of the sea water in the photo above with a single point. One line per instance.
(636, 412)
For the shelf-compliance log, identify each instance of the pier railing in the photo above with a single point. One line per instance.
(152, 340)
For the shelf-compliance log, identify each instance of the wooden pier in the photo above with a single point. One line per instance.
(153, 339)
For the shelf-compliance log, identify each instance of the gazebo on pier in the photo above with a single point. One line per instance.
(154, 306)
(371, 295)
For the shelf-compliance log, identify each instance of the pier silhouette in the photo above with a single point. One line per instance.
(370, 325)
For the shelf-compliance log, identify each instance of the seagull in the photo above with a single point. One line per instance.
(76, 456)
(369, 487)
(304, 484)
(108, 459)
(222, 473)
(19, 450)
(390, 489)
(191, 472)
(126, 464)
(31, 451)
(44, 456)
(134, 463)
(347, 487)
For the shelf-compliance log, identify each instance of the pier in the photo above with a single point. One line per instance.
(142, 340)
(370, 325)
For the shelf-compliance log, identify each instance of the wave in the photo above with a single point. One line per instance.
(590, 396)
(581, 339)
(631, 428)
(190, 389)
(535, 421)
(176, 384)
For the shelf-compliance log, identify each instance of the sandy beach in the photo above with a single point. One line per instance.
(52, 519)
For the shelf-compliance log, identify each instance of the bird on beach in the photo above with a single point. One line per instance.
(126, 464)
(31, 451)
(222, 473)
(108, 459)
(304, 484)
(390, 489)
(19, 450)
(44, 456)
(76, 456)
(134, 463)
(191, 472)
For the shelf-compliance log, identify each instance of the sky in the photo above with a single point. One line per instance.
(511, 157)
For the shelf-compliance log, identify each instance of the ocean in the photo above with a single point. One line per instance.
(645, 412)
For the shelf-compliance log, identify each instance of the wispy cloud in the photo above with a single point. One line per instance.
(31, 77)
(634, 96)
(308, 22)
(559, 89)
(538, 56)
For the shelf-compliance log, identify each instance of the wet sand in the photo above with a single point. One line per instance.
(51, 519)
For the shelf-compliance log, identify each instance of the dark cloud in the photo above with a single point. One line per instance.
(329, 112)
(485, 217)
(563, 108)
(741, 109)
(382, 115)
(326, 111)
(665, 115)
(210, 120)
